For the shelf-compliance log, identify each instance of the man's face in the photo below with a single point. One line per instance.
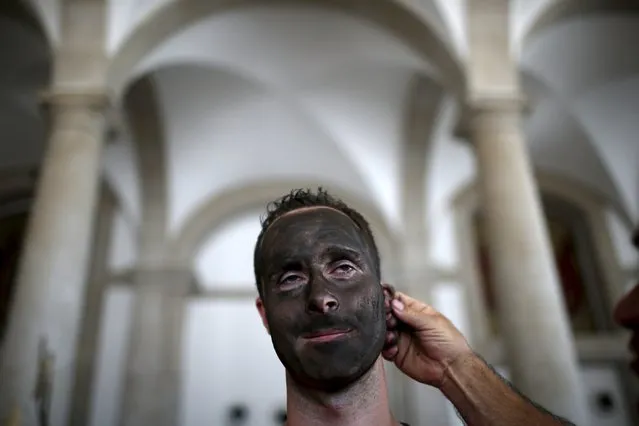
(627, 315)
(322, 301)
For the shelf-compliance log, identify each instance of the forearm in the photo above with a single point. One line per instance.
(483, 398)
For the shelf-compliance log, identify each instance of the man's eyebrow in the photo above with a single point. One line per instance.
(345, 251)
(285, 260)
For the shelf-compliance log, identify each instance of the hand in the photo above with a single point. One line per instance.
(420, 341)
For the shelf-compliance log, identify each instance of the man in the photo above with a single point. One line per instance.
(627, 314)
(331, 321)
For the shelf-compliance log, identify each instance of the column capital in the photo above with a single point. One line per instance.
(93, 98)
(492, 109)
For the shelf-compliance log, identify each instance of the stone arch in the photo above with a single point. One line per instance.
(218, 209)
(23, 12)
(558, 11)
(145, 128)
(395, 18)
(538, 91)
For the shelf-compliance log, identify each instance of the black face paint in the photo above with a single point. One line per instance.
(324, 302)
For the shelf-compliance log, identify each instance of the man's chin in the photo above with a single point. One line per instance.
(326, 383)
(333, 376)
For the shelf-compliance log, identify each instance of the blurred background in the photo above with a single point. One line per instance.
(142, 139)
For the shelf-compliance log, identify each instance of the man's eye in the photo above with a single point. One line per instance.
(344, 269)
(291, 279)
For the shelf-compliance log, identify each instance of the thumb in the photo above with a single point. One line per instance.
(411, 311)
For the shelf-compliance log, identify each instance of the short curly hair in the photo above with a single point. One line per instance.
(301, 198)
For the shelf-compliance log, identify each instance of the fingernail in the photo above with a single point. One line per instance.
(398, 305)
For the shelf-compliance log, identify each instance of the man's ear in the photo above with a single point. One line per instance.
(260, 308)
(388, 288)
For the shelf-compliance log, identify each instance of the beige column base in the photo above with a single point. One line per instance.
(52, 272)
(153, 375)
(540, 346)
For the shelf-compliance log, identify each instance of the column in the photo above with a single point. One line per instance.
(153, 379)
(92, 311)
(536, 330)
(51, 278)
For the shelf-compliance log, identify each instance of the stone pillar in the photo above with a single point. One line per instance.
(92, 312)
(536, 331)
(49, 293)
(535, 328)
(153, 376)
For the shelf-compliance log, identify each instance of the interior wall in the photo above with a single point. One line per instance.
(228, 360)
(124, 245)
(119, 167)
(226, 259)
(112, 354)
(451, 167)
(621, 234)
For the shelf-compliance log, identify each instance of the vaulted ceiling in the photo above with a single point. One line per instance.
(319, 90)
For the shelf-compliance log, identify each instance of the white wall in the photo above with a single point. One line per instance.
(604, 379)
(621, 234)
(125, 16)
(112, 355)
(229, 359)
(451, 168)
(226, 259)
(609, 115)
(120, 169)
(124, 244)
(559, 144)
(450, 299)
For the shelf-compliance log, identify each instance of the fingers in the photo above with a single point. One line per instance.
(392, 334)
(391, 353)
(411, 303)
(411, 311)
(389, 290)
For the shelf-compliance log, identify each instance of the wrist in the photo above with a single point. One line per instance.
(463, 366)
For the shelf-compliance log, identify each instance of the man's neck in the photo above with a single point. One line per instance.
(365, 402)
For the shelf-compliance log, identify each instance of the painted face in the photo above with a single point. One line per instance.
(324, 303)
(627, 315)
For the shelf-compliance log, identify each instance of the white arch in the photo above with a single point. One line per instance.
(175, 16)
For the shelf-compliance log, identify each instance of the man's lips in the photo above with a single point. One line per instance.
(634, 348)
(325, 335)
(634, 343)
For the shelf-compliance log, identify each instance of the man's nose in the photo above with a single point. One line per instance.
(627, 311)
(320, 299)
